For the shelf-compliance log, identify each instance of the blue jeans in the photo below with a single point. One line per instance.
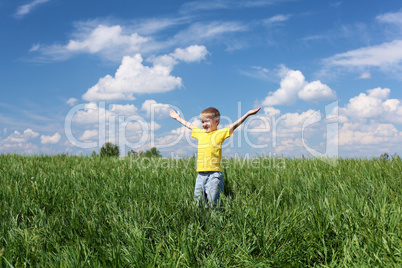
(208, 185)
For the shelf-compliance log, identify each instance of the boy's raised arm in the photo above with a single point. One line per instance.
(239, 121)
(176, 115)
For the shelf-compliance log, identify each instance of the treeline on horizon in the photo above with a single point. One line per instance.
(111, 150)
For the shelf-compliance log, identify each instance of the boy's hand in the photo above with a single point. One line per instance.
(239, 121)
(254, 111)
(176, 115)
(173, 114)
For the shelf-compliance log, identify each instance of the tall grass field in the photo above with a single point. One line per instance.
(70, 211)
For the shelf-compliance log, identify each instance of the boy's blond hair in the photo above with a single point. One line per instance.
(211, 112)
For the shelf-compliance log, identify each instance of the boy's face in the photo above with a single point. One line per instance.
(209, 124)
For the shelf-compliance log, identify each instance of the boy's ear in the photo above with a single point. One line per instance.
(218, 120)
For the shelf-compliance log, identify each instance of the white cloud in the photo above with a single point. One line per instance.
(173, 138)
(258, 72)
(27, 8)
(25, 148)
(391, 17)
(20, 142)
(385, 56)
(154, 25)
(282, 126)
(50, 139)
(114, 41)
(202, 32)
(89, 134)
(291, 84)
(392, 106)
(139, 127)
(270, 111)
(132, 77)
(179, 139)
(293, 122)
(106, 37)
(316, 91)
(294, 86)
(116, 123)
(367, 123)
(191, 53)
(363, 106)
(124, 110)
(92, 113)
(313, 38)
(71, 101)
(111, 42)
(380, 93)
(290, 146)
(358, 138)
(203, 5)
(374, 105)
(365, 75)
(151, 107)
(18, 137)
(224, 4)
(277, 19)
(357, 134)
(35, 47)
(284, 132)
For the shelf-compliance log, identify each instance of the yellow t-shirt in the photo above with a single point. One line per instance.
(210, 148)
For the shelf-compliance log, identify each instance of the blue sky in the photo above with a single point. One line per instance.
(327, 75)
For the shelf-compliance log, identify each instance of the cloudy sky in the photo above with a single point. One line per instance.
(327, 74)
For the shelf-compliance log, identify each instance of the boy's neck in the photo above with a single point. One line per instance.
(212, 130)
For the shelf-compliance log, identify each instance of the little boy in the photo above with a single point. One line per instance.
(210, 178)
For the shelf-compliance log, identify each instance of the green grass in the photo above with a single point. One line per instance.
(66, 211)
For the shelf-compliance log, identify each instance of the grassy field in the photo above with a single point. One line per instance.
(67, 211)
